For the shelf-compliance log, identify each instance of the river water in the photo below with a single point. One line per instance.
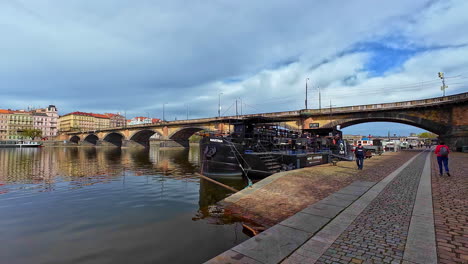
(109, 205)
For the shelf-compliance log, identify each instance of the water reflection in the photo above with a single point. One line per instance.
(110, 205)
(30, 166)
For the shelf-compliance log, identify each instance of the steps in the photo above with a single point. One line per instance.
(271, 163)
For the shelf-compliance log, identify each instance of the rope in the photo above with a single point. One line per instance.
(213, 181)
(231, 145)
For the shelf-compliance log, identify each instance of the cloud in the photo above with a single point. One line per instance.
(119, 56)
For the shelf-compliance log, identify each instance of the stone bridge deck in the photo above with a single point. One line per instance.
(446, 116)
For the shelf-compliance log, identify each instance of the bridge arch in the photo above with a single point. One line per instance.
(185, 133)
(142, 137)
(429, 125)
(91, 138)
(75, 139)
(115, 138)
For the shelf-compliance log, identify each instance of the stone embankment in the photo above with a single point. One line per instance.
(282, 195)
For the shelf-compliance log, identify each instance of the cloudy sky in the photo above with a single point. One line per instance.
(135, 56)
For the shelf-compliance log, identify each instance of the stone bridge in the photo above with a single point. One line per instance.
(445, 116)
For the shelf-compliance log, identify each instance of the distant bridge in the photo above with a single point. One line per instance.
(445, 116)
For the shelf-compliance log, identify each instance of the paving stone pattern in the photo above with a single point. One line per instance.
(450, 197)
(378, 235)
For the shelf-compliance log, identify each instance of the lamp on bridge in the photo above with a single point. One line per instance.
(219, 104)
(443, 87)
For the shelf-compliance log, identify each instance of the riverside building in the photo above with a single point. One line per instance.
(4, 117)
(82, 121)
(116, 120)
(18, 122)
(140, 120)
(14, 122)
(46, 120)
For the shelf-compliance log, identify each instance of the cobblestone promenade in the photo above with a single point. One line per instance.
(451, 210)
(412, 216)
(379, 234)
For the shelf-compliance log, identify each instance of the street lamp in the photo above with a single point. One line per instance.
(443, 87)
(307, 79)
(320, 98)
(219, 104)
(163, 117)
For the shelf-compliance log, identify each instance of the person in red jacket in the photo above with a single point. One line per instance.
(442, 151)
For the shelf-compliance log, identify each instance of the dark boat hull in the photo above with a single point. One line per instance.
(222, 158)
(218, 159)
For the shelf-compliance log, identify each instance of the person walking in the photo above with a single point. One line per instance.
(442, 151)
(359, 152)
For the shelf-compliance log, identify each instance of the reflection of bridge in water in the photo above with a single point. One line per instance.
(46, 165)
(445, 116)
(61, 169)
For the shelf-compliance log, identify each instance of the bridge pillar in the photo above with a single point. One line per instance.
(456, 138)
(131, 144)
(169, 143)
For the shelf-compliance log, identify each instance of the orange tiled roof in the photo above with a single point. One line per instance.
(3, 111)
(19, 111)
(99, 116)
(87, 114)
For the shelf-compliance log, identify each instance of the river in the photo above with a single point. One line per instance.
(110, 205)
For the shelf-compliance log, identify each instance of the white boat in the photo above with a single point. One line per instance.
(19, 144)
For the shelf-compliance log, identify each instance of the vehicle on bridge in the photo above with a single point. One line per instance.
(260, 146)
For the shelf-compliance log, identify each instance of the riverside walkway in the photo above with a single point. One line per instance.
(391, 221)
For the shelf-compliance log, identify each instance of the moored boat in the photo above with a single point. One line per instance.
(19, 144)
(259, 147)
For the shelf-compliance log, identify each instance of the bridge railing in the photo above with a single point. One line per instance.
(422, 102)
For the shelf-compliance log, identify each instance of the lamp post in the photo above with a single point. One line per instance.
(219, 104)
(307, 79)
(163, 117)
(320, 99)
(443, 87)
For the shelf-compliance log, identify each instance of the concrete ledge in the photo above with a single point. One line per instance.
(273, 245)
(231, 256)
(279, 241)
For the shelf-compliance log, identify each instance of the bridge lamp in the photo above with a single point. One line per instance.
(219, 104)
(443, 87)
(307, 79)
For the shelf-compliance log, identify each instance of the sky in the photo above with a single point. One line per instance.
(134, 57)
